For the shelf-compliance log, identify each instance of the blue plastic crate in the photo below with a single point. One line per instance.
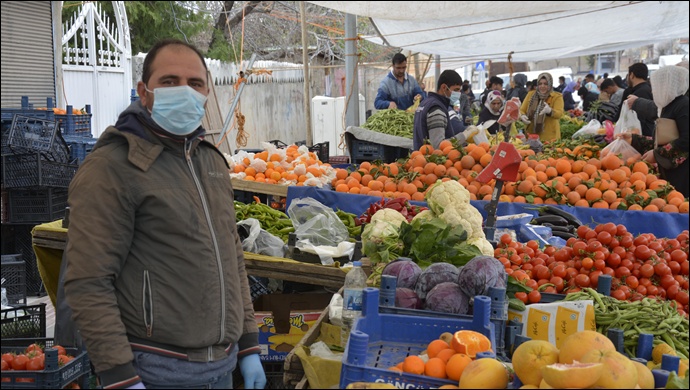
(75, 125)
(79, 147)
(53, 376)
(33, 170)
(27, 109)
(380, 341)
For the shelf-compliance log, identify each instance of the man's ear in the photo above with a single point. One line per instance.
(141, 91)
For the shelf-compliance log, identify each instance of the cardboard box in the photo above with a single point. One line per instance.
(553, 322)
(283, 319)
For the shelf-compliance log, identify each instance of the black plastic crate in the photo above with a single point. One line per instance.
(33, 170)
(256, 288)
(361, 151)
(23, 322)
(37, 206)
(321, 151)
(13, 277)
(71, 124)
(22, 242)
(53, 376)
(28, 134)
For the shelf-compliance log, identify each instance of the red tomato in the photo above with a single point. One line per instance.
(34, 348)
(621, 230)
(7, 357)
(5, 366)
(682, 297)
(587, 262)
(582, 280)
(505, 239)
(667, 281)
(522, 296)
(37, 363)
(641, 289)
(622, 272)
(652, 290)
(19, 362)
(604, 237)
(531, 283)
(582, 231)
(679, 255)
(534, 296)
(614, 260)
(61, 349)
(672, 291)
(558, 283)
(662, 269)
(594, 278)
(618, 294)
(632, 282)
(647, 271)
(642, 252)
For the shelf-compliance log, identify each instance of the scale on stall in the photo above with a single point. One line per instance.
(504, 167)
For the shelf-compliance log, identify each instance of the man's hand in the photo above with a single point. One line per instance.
(392, 105)
(546, 110)
(649, 157)
(630, 100)
(525, 119)
(471, 131)
(252, 372)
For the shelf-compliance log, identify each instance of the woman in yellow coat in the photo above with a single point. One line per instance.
(542, 109)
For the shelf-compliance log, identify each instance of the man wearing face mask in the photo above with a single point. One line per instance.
(155, 271)
(432, 121)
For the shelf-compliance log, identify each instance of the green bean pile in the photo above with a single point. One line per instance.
(273, 221)
(651, 316)
(392, 122)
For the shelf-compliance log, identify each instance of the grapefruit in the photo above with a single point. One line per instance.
(619, 371)
(484, 373)
(575, 375)
(530, 357)
(578, 344)
(645, 378)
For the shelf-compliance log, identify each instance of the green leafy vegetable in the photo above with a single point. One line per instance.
(432, 240)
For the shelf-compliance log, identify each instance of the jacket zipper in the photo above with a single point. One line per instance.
(147, 303)
(202, 196)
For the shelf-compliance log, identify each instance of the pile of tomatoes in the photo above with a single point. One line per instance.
(642, 266)
(32, 359)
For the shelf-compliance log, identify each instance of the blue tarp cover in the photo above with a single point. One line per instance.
(637, 222)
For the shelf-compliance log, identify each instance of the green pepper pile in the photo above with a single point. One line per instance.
(273, 221)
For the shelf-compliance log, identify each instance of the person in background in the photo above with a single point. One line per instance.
(492, 110)
(615, 94)
(561, 84)
(638, 86)
(528, 86)
(592, 87)
(465, 106)
(432, 121)
(542, 109)
(568, 101)
(533, 87)
(670, 96)
(519, 91)
(466, 84)
(496, 85)
(155, 273)
(398, 89)
(619, 82)
(588, 97)
(606, 75)
(589, 78)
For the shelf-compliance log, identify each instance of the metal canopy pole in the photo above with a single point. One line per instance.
(235, 101)
(305, 60)
(352, 87)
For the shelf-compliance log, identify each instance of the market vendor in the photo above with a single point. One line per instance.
(155, 272)
(542, 109)
(398, 89)
(432, 121)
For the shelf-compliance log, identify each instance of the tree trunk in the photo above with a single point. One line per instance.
(225, 25)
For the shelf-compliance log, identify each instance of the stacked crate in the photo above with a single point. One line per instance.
(37, 168)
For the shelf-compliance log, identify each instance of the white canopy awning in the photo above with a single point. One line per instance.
(464, 32)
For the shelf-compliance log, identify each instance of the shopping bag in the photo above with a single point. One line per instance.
(591, 128)
(621, 148)
(627, 122)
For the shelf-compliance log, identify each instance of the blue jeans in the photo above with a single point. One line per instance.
(162, 372)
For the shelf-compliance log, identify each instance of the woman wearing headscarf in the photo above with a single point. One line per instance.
(568, 101)
(670, 85)
(493, 106)
(542, 109)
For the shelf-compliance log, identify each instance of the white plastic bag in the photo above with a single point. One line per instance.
(316, 222)
(260, 241)
(622, 148)
(627, 122)
(591, 128)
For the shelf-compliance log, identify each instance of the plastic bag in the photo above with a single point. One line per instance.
(591, 128)
(627, 122)
(511, 111)
(480, 136)
(622, 148)
(316, 222)
(260, 241)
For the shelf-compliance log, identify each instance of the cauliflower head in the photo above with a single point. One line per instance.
(483, 245)
(447, 194)
(425, 215)
(389, 215)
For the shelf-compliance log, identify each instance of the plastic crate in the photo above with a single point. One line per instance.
(79, 147)
(338, 160)
(321, 151)
(380, 341)
(33, 170)
(13, 276)
(27, 109)
(28, 135)
(37, 206)
(23, 322)
(256, 288)
(17, 238)
(53, 376)
(75, 125)
(361, 151)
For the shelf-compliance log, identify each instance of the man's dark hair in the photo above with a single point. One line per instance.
(582, 91)
(450, 78)
(606, 75)
(562, 78)
(528, 85)
(399, 58)
(496, 80)
(639, 70)
(466, 82)
(465, 87)
(619, 81)
(606, 84)
(153, 52)
(590, 76)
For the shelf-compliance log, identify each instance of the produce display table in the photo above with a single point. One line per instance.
(50, 240)
(260, 188)
(637, 222)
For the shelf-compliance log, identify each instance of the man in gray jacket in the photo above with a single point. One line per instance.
(155, 271)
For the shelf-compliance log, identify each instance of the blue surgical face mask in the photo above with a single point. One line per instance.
(454, 97)
(178, 110)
